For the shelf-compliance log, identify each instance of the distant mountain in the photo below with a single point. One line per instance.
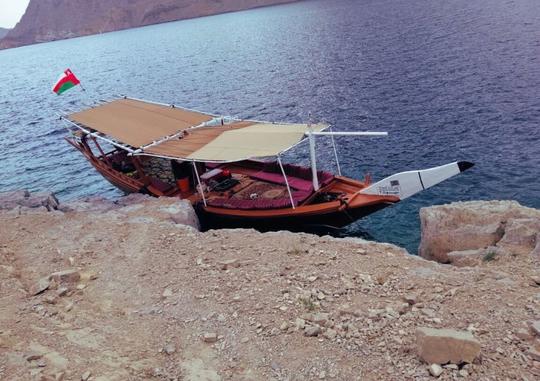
(49, 20)
(3, 32)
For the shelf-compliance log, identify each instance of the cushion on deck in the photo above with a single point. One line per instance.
(299, 172)
(277, 178)
(259, 203)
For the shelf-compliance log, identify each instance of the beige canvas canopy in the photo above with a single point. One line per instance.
(138, 123)
(177, 133)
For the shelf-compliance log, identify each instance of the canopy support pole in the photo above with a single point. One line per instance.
(335, 153)
(286, 181)
(199, 182)
(313, 159)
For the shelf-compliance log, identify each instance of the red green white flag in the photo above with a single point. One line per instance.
(66, 82)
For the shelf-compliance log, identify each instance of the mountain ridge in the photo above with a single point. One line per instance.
(51, 20)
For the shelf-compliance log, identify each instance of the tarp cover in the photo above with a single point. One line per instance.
(139, 123)
(258, 140)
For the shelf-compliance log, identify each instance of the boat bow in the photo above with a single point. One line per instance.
(407, 184)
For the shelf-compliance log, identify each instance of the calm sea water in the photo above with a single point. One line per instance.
(449, 80)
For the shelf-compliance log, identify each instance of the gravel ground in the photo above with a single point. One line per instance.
(159, 301)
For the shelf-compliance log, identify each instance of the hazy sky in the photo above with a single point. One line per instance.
(11, 12)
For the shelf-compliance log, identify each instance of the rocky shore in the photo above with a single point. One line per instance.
(131, 290)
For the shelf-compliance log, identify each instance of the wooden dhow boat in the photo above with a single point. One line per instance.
(231, 170)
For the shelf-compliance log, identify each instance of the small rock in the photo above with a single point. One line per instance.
(463, 373)
(441, 346)
(534, 352)
(320, 318)
(229, 264)
(330, 334)
(51, 299)
(284, 326)
(62, 291)
(312, 330)
(381, 279)
(210, 337)
(66, 276)
(411, 299)
(169, 349)
(535, 280)
(40, 286)
(89, 276)
(33, 357)
(435, 370)
(535, 327)
(403, 308)
(85, 376)
(524, 334)
(69, 306)
(428, 312)
(167, 293)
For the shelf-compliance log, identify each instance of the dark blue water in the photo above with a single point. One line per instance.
(449, 80)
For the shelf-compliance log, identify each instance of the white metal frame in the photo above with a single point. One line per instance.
(312, 148)
(335, 153)
(286, 181)
(199, 181)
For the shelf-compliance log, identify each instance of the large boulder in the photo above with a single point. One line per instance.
(465, 226)
(134, 207)
(145, 209)
(443, 346)
(25, 199)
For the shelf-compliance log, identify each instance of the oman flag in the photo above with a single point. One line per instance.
(66, 82)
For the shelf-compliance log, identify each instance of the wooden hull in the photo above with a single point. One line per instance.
(295, 222)
(116, 178)
(333, 214)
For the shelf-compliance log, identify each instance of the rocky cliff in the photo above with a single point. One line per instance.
(126, 290)
(3, 32)
(49, 20)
